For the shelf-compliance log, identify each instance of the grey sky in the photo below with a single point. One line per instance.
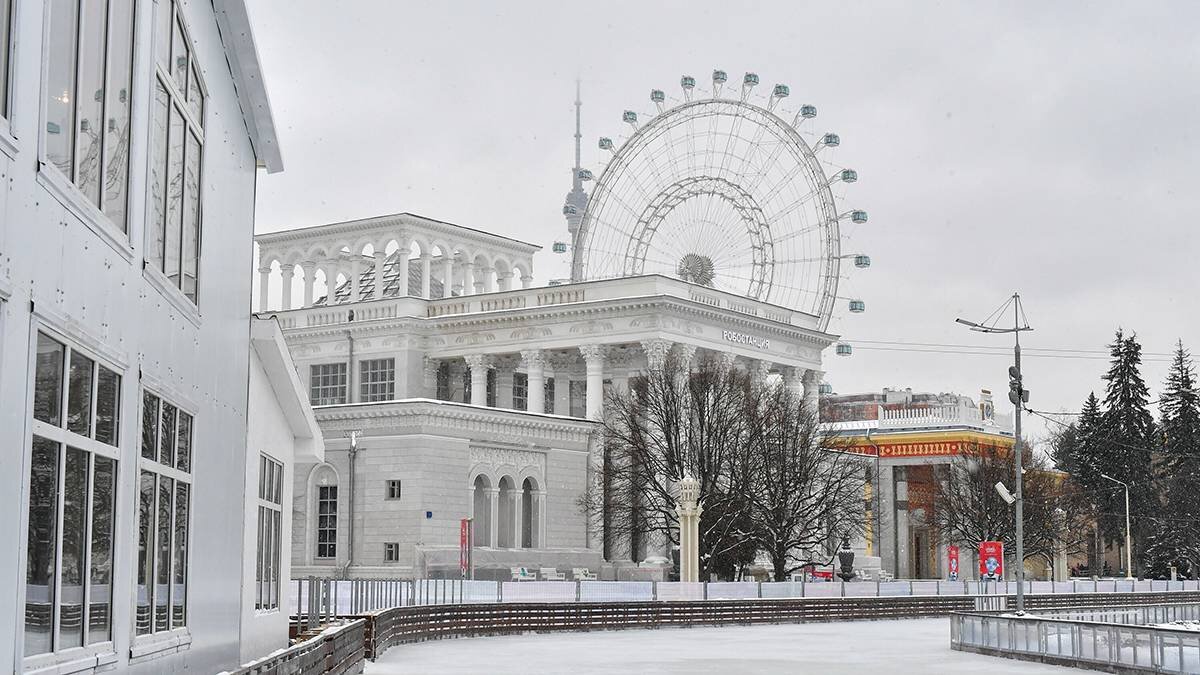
(1050, 148)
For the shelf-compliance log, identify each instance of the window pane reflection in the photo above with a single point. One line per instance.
(40, 545)
(74, 539)
(100, 590)
(47, 386)
(79, 396)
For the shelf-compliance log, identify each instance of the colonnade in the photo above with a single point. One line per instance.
(462, 277)
(499, 513)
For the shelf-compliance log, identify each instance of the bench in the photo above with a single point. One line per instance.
(551, 574)
(522, 574)
(582, 574)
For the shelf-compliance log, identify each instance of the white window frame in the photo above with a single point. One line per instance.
(8, 42)
(268, 558)
(520, 391)
(318, 543)
(377, 380)
(314, 389)
(100, 652)
(62, 187)
(153, 466)
(391, 552)
(390, 494)
(192, 125)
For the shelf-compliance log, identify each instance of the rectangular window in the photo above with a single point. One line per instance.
(173, 237)
(391, 552)
(270, 540)
(377, 380)
(327, 521)
(164, 505)
(88, 84)
(393, 489)
(520, 391)
(443, 381)
(491, 388)
(327, 384)
(577, 398)
(72, 494)
(549, 393)
(6, 15)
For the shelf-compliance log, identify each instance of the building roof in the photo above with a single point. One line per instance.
(266, 339)
(234, 25)
(351, 226)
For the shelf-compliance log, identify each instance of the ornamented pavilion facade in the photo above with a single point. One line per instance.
(478, 403)
(909, 435)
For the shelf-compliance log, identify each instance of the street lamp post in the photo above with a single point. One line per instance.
(1128, 538)
(1019, 396)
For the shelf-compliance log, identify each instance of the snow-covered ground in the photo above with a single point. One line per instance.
(911, 646)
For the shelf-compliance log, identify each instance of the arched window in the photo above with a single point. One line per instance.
(325, 501)
(482, 512)
(508, 513)
(529, 514)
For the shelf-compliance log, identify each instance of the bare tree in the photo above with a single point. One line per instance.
(809, 491)
(967, 509)
(672, 423)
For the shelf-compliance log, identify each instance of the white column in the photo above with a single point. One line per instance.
(494, 513)
(518, 511)
(793, 380)
(503, 283)
(526, 281)
(403, 255)
(380, 259)
(310, 273)
(430, 369)
(355, 275)
(759, 369)
(287, 273)
(479, 363)
(539, 507)
(447, 276)
(426, 272)
(264, 287)
(505, 368)
(469, 278)
(593, 356)
(812, 389)
(535, 370)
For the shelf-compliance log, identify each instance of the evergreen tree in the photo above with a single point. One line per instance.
(1076, 451)
(1176, 539)
(1124, 446)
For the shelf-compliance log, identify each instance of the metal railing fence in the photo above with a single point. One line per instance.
(313, 598)
(1106, 646)
(337, 650)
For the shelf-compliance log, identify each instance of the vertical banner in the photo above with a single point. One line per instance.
(991, 560)
(952, 562)
(464, 547)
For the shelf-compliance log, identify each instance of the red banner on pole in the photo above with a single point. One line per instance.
(464, 547)
(991, 560)
(952, 562)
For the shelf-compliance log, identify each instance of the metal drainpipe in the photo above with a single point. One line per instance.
(350, 537)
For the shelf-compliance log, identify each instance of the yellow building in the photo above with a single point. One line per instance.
(908, 435)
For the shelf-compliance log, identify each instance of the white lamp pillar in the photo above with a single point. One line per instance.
(689, 509)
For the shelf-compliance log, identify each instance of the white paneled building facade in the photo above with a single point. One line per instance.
(131, 134)
(462, 390)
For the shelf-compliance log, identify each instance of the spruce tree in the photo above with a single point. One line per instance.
(1126, 438)
(1177, 537)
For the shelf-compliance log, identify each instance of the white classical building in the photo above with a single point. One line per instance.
(477, 403)
(131, 134)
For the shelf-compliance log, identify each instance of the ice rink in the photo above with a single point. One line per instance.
(920, 646)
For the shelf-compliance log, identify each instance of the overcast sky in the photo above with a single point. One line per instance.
(1047, 148)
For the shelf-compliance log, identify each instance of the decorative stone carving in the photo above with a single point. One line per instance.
(519, 460)
(533, 358)
(479, 361)
(530, 333)
(685, 352)
(592, 353)
(728, 359)
(475, 338)
(656, 352)
(592, 327)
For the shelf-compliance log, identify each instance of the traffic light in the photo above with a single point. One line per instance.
(1016, 393)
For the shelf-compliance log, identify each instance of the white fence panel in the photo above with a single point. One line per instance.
(822, 589)
(732, 590)
(1041, 587)
(890, 588)
(680, 590)
(1064, 586)
(782, 589)
(538, 591)
(480, 591)
(861, 589)
(924, 587)
(616, 591)
(952, 588)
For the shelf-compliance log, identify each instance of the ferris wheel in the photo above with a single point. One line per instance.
(729, 189)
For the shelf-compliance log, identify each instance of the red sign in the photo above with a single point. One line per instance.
(952, 562)
(991, 560)
(464, 547)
